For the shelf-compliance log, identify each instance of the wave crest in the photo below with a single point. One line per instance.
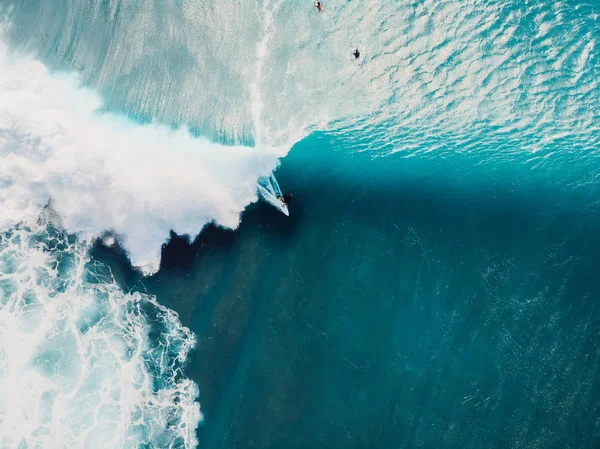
(105, 172)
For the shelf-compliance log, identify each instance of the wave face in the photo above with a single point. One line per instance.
(78, 366)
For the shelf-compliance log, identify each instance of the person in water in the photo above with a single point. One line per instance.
(319, 6)
(285, 199)
(356, 53)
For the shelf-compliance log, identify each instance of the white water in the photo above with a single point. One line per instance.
(77, 366)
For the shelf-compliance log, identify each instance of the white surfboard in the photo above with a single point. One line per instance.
(270, 192)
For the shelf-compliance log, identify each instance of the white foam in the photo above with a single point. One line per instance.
(77, 365)
(105, 172)
(255, 87)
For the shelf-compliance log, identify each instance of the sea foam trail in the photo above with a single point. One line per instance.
(105, 172)
(77, 365)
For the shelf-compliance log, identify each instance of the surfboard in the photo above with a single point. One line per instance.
(270, 192)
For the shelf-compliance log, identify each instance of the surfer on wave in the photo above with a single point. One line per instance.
(286, 198)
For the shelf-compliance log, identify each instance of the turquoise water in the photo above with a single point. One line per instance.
(435, 285)
(398, 308)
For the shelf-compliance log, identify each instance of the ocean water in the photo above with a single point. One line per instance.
(435, 286)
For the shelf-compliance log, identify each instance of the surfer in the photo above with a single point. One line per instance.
(319, 6)
(285, 199)
(356, 53)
